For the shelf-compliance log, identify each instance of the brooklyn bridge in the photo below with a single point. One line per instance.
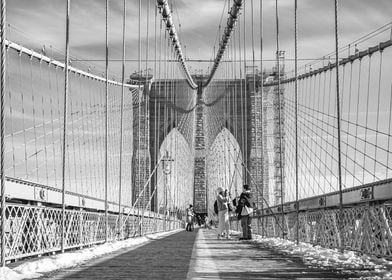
(116, 116)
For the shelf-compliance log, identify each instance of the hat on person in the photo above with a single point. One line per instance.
(246, 187)
(220, 189)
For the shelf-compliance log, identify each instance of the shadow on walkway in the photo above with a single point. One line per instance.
(166, 258)
(198, 255)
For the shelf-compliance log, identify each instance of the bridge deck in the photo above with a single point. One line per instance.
(197, 255)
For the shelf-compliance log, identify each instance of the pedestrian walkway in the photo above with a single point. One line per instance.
(197, 255)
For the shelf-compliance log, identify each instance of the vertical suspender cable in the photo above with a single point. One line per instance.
(261, 116)
(106, 118)
(146, 111)
(159, 107)
(255, 115)
(280, 115)
(242, 103)
(153, 207)
(64, 144)
(338, 127)
(2, 175)
(296, 115)
(122, 117)
(140, 98)
(245, 96)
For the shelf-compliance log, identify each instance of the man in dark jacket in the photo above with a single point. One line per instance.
(244, 211)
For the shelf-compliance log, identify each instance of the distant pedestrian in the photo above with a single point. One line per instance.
(207, 222)
(223, 199)
(189, 218)
(244, 211)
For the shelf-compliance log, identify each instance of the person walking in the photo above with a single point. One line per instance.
(244, 211)
(223, 213)
(189, 218)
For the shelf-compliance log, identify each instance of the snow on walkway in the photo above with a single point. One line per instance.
(36, 268)
(316, 256)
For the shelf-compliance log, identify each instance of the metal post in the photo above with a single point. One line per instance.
(338, 127)
(106, 122)
(2, 175)
(66, 64)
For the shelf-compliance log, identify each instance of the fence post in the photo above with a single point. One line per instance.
(81, 227)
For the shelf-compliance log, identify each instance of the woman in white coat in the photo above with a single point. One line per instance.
(223, 213)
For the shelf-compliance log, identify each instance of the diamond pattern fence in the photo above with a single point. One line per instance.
(32, 230)
(366, 228)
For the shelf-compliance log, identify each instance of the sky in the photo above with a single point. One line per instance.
(42, 22)
(38, 23)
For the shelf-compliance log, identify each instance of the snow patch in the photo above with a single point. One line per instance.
(316, 256)
(35, 268)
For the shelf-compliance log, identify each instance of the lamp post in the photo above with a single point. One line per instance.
(166, 170)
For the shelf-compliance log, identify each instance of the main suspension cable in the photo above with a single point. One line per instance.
(164, 9)
(231, 21)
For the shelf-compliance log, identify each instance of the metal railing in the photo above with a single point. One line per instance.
(366, 220)
(32, 230)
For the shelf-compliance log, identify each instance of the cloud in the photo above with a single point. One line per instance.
(43, 22)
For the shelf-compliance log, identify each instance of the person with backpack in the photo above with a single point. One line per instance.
(244, 211)
(222, 200)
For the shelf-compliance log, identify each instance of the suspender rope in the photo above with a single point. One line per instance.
(106, 119)
(245, 129)
(2, 128)
(64, 143)
(139, 96)
(296, 116)
(146, 112)
(122, 118)
(338, 118)
(280, 116)
(241, 96)
(156, 124)
(254, 110)
(261, 114)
